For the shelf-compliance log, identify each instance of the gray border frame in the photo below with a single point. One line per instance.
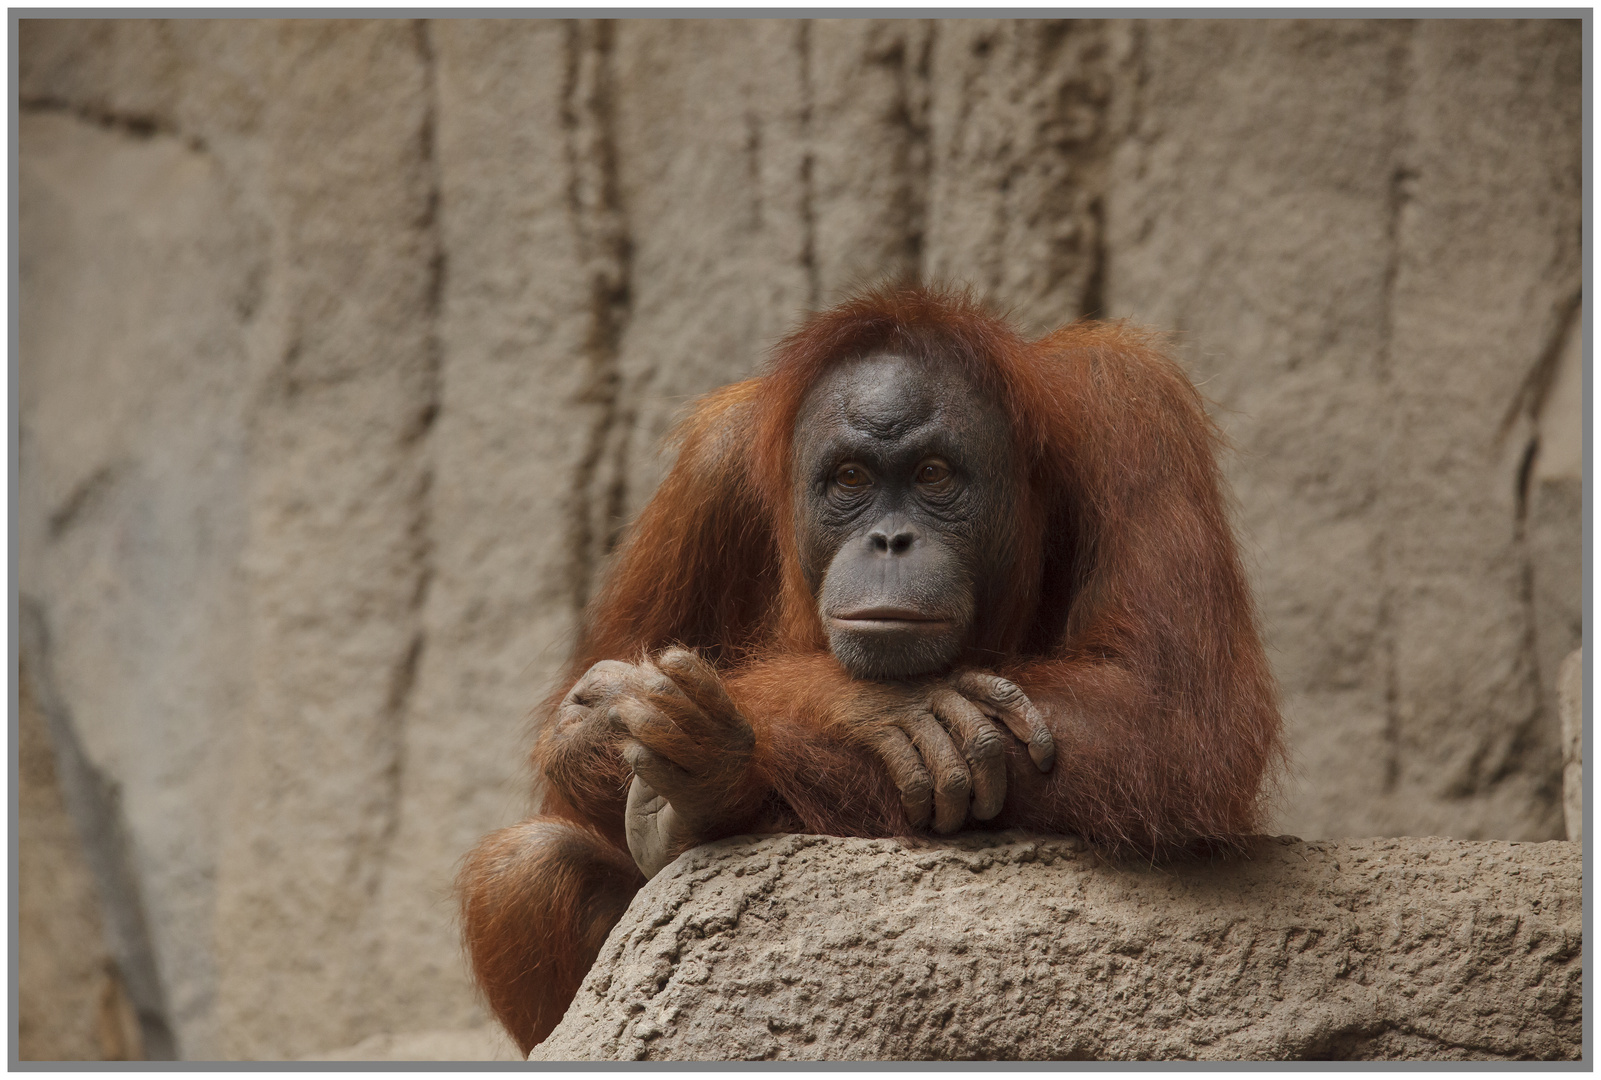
(1585, 15)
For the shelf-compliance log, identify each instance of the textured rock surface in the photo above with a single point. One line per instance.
(131, 506)
(346, 347)
(335, 557)
(69, 1005)
(1388, 394)
(1004, 947)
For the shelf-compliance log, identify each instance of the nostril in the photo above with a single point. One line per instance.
(884, 542)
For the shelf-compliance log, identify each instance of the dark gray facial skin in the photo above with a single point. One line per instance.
(903, 488)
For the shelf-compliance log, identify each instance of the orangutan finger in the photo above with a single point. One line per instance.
(698, 681)
(653, 723)
(1013, 708)
(981, 744)
(906, 772)
(601, 682)
(953, 787)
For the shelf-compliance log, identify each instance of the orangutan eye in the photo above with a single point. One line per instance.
(932, 472)
(852, 476)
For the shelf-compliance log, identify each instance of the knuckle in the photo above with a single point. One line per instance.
(904, 722)
(679, 661)
(987, 746)
(656, 681)
(955, 781)
(687, 663)
(641, 717)
(602, 674)
(918, 787)
(876, 735)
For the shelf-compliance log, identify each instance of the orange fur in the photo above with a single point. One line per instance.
(1128, 621)
(538, 900)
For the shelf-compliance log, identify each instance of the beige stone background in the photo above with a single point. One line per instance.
(345, 350)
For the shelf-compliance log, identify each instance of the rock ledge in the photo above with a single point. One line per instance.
(1006, 946)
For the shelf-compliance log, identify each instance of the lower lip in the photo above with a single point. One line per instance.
(871, 625)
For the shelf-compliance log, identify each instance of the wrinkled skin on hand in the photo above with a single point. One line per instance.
(687, 744)
(942, 742)
(584, 714)
(572, 750)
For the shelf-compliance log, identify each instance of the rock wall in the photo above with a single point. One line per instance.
(71, 1005)
(1376, 282)
(1007, 947)
(346, 348)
